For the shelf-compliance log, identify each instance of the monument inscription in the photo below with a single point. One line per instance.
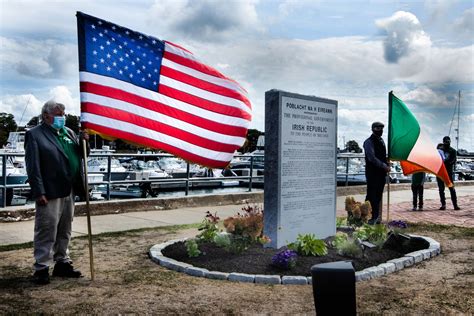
(300, 166)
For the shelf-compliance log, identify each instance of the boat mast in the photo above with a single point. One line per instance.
(457, 110)
(457, 130)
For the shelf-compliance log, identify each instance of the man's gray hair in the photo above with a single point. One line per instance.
(50, 106)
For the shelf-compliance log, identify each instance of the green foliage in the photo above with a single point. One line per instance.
(376, 234)
(308, 245)
(251, 141)
(222, 240)
(7, 125)
(341, 221)
(208, 228)
(349, 248)
(192, 248)
(72, 121)
(34, 121)
(339, 239)
(353, 147)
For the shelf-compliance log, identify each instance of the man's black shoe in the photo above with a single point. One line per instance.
(66, 270)
(457, 208)
(41, 276)
(442, 208)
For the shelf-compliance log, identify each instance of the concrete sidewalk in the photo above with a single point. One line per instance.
(400, 206)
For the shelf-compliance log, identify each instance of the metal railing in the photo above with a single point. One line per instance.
(346, 177)
(109, 183)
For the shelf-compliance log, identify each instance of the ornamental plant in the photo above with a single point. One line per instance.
(208, 228)
(192, 248)
(249, 223)
(357, 213)
(397, 226)
(308, 245)
(285, 259)
(376, 234)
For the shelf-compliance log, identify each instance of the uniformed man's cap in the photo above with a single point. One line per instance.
(377, 124)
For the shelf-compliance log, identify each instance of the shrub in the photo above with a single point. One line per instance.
(339, 238)
(308, 245)
(341, 221)
(192, 248)
(357, 213)
(249, 224)
(349, 248)
(285, 259)
(208, 228)
(376, 234)
(222, 240)
(397, 226)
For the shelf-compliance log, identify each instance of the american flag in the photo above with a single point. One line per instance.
(157, 94)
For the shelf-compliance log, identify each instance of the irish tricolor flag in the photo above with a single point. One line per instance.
(408, 143)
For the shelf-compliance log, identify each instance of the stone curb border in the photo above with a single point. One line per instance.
(367, 274)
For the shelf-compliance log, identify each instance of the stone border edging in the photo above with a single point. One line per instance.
(367, 274)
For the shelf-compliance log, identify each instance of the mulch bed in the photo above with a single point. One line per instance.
(258, 260)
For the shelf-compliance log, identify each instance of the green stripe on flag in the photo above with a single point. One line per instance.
(404, 130)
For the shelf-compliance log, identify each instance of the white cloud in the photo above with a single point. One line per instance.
(26, 106)
(464, 25)
(404, 35)
(63, 95)
(23, 107)
(426, 96)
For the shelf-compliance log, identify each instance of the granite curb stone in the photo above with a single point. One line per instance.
(293, 279)
(388, 267)
(217, 275)
(197, 272)
(241, 277)
(267, 279)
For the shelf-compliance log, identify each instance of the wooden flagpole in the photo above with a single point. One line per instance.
(89, 230)
(388, 151)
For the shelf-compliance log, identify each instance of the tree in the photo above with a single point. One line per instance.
(7, 125)
(72, 121)
(33, 121)
(353, 147)
(251, 142)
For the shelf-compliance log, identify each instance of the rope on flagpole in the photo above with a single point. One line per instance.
(89, 230)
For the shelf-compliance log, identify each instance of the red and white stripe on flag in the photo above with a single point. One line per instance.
(195, 113)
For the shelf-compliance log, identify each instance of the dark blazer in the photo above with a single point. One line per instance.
(47, 165)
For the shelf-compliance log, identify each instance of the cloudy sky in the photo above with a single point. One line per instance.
(354, 52)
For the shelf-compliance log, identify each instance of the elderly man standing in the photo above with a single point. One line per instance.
(376, 169)
(53, 163)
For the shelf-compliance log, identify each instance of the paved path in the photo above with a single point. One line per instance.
(400, 208)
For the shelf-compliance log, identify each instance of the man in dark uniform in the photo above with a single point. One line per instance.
(376, 169)
(449, 156)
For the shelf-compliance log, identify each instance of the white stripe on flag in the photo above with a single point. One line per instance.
(205, 77)
(149, 114)
(204, 94)
(425, 154)
(155, 96)
(156, 136)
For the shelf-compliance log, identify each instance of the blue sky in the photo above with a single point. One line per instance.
(351, 51)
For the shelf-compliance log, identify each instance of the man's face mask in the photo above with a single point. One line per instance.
(377, 131)
(58, 122)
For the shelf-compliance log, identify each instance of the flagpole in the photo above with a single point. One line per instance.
(388, 151)
(89, 230)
